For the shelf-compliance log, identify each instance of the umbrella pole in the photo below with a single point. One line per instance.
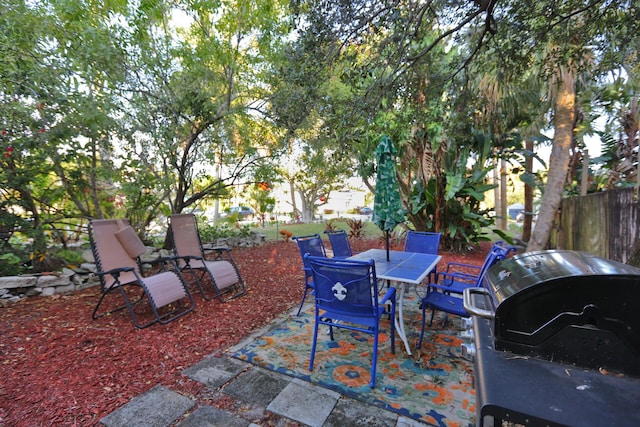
(387, 241)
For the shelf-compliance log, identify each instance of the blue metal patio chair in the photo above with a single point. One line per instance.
(312, 245)
(339, 243)
(346, 296)
(458, 276)
(426, 242)
(446, 295)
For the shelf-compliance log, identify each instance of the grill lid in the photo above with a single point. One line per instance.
(535, 268)
(567, 306)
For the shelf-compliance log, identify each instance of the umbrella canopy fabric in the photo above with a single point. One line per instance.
(387, 206)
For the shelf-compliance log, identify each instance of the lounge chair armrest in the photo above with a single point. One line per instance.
(211, 247)
(162, 259)
(389, 296)
(217, 252)
(190, 257)
(114, 271)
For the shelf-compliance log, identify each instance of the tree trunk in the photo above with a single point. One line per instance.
(558, 162)
(292, 191)
(528, 196)
(504, 205)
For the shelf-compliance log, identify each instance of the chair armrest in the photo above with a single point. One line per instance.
(435, 286)
(455, 276)
(114, 271)
(461, 265)
(389, 296)
(212, 247)
(163, 259)
(216, 251)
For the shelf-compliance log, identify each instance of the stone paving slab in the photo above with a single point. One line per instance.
(257, 387)
(158, 407)
(304, 402)
(215, 371)
(353, 413)
(208, 416)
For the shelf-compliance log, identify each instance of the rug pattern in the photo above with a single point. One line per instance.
(434, 385)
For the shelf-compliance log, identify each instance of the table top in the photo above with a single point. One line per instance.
(406, 267)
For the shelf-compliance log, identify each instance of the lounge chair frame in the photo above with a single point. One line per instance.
(120, 272)
(206, 264)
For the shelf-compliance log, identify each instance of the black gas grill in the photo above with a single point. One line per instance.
(557, 337)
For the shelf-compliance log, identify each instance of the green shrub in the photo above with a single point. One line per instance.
(212, 232)
(70, 256)
(10, 264)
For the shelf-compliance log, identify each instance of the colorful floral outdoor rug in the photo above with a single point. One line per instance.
(434, 385)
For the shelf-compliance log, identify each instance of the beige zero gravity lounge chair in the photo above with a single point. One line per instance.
(116, 249)
(217, 265)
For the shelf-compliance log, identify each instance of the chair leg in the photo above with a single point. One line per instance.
(304, 297)
(315, 340)
(422, 328)
(374, 358)
(433, 313)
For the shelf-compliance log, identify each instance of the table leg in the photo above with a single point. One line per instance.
(400, 319)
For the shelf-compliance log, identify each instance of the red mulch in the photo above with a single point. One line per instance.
(59, 367)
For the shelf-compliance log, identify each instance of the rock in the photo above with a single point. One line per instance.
(47, 281)
(67, 272)
(12, 282)
(87, 255)
(47, 292)
(33, 292)
(89, 267)
(65, 289)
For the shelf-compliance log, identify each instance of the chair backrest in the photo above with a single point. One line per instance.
(312, 245)
(425, 242)
(344, 286)
(184, 234)
(498, 252)
(503, 247)
(339, 243)
(115, 245)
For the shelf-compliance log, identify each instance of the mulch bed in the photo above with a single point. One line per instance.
(60, 367)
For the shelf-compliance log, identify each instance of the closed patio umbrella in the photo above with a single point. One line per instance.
(387, 206)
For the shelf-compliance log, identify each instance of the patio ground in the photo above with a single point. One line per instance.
(59, 367)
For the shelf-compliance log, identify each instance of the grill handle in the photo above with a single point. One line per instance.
(471, 308)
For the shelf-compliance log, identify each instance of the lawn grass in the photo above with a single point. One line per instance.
(303, 229)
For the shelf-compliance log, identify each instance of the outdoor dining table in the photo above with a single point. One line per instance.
(405, 269)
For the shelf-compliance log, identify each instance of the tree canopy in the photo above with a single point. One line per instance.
(141, 109)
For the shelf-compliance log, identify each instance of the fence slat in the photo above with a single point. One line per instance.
(606, 224)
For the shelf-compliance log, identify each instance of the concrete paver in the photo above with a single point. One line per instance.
(353, 413)
(304, 402)
(261, 392)
(215, 371)
(158, 407)
(257, 387)
(208, 416)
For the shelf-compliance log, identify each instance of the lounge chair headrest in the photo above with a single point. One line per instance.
(130, 241)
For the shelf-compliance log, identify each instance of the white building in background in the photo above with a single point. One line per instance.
(341, 202)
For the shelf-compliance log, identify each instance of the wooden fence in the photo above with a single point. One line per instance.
(606, 224)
